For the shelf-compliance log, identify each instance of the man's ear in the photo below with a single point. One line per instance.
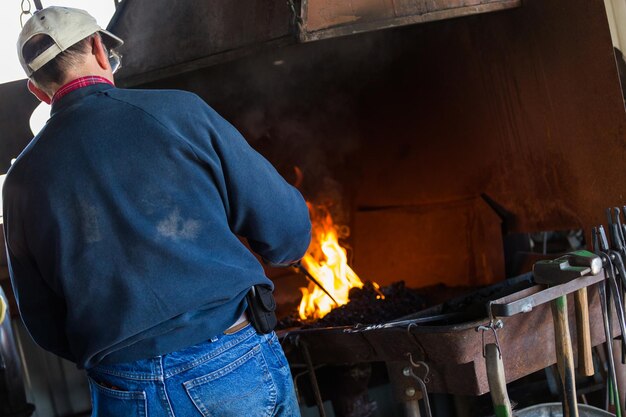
(101, 53)
(38, 92)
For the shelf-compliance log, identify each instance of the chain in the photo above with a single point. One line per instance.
(26, 11)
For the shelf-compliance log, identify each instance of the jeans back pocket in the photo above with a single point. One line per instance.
(109, 402)
(242, 388)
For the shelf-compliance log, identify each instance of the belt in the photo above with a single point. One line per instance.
(241, 322)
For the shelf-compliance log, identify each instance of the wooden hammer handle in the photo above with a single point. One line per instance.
(585, 359)
(565, 356)
(497, 382)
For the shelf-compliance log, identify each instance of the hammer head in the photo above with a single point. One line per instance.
(567, 267)
(584, 258)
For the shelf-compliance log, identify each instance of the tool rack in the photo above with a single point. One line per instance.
(449, 358)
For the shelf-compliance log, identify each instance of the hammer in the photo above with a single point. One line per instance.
(558, 271)
(585, 259)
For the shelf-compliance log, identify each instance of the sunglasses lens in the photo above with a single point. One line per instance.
(115, 60)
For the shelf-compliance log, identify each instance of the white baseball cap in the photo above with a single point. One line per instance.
(66, 26)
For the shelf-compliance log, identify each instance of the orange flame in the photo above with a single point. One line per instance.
(327, 261)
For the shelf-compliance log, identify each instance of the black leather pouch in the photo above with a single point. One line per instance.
(261, 308)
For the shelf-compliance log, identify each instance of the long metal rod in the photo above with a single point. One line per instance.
(615, 386)
(537, 295)
(38, 5)
(313, 378)
(424, 391)
(600, 245)
(609, 336)
(315, 281)
(614, 293)
(621, 272)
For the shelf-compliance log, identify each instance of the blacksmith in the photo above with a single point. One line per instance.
(122, 222)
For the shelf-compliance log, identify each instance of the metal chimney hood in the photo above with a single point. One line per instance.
(321, 19)
(165, 38)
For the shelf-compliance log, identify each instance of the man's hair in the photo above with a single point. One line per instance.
(54, 72)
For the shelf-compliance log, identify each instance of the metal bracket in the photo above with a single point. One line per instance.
(494, 326)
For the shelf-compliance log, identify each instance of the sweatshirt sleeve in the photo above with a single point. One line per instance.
(42, 310)
(261, 206)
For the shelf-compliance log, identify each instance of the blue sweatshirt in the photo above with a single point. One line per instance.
(122, 220)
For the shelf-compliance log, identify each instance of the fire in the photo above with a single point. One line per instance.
(327, 262)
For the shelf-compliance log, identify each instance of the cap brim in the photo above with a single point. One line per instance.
(110, 40)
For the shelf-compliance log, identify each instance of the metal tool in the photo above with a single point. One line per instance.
(409, 372)
(314, 280)
(581, 304)
(618, 246)
(619, 261)
(623, 225)
(599, 243)
(567, 267)
(359, 328)
(613, 258)
(312, 377)
(556, 272)
(616, 287)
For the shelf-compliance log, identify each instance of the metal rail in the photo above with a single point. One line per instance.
(524, 301)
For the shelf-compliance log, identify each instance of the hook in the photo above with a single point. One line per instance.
(417, 364)
(408, 371)
(414, 339)
(494, 326)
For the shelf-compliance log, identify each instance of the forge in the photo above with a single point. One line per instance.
(437, 135)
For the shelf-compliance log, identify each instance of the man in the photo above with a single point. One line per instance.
(122, 220)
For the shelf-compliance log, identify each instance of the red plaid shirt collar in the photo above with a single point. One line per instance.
(79, 83)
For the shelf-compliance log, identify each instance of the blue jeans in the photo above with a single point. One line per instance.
(240, 374)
